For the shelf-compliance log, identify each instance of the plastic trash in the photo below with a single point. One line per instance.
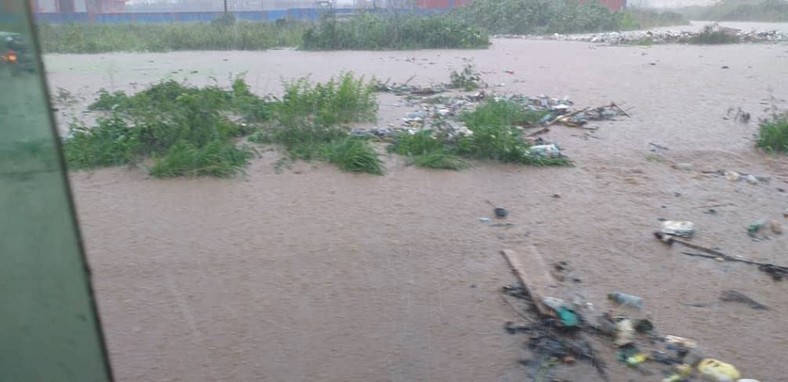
(637, 359)
(718, 371)
(678, 228)
(733, 176)
(625, 333)
(748, 380)
(751, 179)
(681, 341)
(547, 151)
(500, 212)
(626, 299)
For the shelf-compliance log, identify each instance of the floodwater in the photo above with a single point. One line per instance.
(317, 275)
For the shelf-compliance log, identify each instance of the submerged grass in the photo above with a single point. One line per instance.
(773, 134)
(191, 131)
(494, 136)
(185, 130)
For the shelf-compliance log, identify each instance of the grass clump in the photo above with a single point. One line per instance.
(310, 122)
(218, 35)
(502, 113)
(338, 101)
(712, 36)
(493, 136)
(187, 131)
(773, 134)
(393, 31)
(468, 79)
(424, 149)
(191, 131)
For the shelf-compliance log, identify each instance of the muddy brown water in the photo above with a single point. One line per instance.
(318, 275)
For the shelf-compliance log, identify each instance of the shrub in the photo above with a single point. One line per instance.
(773, 134)
(393, 31)
(711, 36)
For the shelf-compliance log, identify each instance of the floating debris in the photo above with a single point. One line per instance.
(658, 36)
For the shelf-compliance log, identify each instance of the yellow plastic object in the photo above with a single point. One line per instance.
(718, 371)
(684, 370)
(637, 359)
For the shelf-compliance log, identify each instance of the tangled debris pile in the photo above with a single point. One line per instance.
(441, 112)
(660, 36)
(560, 332)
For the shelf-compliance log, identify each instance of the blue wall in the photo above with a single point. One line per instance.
(170, 17)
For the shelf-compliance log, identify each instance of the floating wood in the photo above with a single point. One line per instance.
(530, 268)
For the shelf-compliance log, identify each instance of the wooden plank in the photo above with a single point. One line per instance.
(531, 269)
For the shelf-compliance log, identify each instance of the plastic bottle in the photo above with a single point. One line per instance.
(626, 299)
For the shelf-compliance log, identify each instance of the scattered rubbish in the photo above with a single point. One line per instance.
(655, 147)
(785, 213)
(777, 227)
(737, 115)
(681, 342)
(484, 220)
(682, 166)
(718, 371)
(660, 36)
(625, 333)
(678, 228)
(499, 212)
(754, 228)
(637, 359)
(546, 151)
(626, 299)
(643, 326)
(735, 296)
(725, 67)
(733, 176)
(775, 271)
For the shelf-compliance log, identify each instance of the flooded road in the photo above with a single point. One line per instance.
(318, 275)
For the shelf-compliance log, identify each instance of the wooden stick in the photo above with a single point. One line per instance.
(533, 274)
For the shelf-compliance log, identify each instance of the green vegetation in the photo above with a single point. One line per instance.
(340, 101)
(711, 36)
(190, 131)
(741, 10)
(494, 136)
(393, 31)
(310, 122)
(186, 130)
(219, 35)
(773, 134)
(522, 17)
(502, 113)
(468, 79)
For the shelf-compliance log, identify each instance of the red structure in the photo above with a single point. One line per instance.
(613, 5)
